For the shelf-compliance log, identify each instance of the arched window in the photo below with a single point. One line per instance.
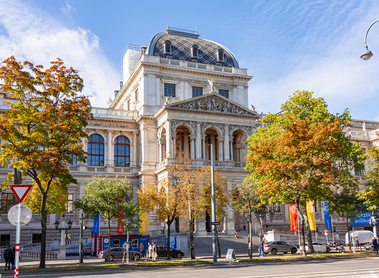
(121, 152)
(167, 47)
(195, 51)
(95, 150)
(220, 55)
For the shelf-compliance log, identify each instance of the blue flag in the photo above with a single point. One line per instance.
(327, 218)
(96, 223)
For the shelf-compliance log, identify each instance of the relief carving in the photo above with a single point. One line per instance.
(213, 103)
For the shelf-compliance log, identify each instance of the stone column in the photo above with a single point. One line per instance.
(231, 149)
(168, 140)
(193, 138)
(174, 144)
(109, 161)
(221, 148)
(203, 145)
(226, 144)
(198, 142)
(134, 157)
(160, 151)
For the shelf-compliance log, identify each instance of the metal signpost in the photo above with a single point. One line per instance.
(20, 191)
(213, 208)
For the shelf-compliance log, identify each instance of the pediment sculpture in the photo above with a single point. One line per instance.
(212, 103)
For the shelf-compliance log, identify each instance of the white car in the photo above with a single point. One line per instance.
(318, 247)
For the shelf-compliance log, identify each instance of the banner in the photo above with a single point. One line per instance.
(293, 218)
(144, 224)
(311, 215)
(120, 226)
(96, 224)
(327, 218)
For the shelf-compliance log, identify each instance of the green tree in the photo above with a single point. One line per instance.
(111, 198)
(43, 127)
(370, 195)
(302, 154)
(247, 201)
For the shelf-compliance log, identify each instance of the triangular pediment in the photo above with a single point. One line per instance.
(212, 102)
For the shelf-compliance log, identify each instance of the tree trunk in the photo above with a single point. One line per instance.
(192, 242)
(309, 235)
(348, 232)
(168, 237)
(218, 244)
(250, 237)
(43, 231)
(302, 230)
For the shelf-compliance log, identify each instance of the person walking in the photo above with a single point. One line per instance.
(13, 254)
(375, 244)
(261, 245)
(149, 251)
(154, 251)
(8, 257)
(142, 249)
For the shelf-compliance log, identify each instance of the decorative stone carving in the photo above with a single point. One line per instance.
(214, 104)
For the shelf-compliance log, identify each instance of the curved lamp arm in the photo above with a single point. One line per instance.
(367, 54)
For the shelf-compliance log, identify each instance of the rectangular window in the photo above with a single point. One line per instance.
(129, 104)
(36, 238)
(224, 93)
(69, 205)
(359, 173)
(7, 201)
(276, 208)
(5, 240)
(197, 91)
(169, 90)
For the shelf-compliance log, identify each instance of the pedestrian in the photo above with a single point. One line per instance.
(13, 253)
(154, 251)
(149, 251)
(236, 235)
(375, 244)
(8, 257)
(142, 249)
(261, 245)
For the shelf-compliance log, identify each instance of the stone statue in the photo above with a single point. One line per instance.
(211, 85)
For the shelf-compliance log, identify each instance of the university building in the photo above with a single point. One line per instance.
(179, 95)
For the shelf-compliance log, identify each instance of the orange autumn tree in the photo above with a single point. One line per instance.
(303, 154)
(42, 130)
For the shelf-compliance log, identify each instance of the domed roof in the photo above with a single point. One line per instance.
(181, 48)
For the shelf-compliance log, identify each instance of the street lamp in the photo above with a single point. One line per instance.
(62, 253)
(367, 54)
(81, 232)
(373, 223)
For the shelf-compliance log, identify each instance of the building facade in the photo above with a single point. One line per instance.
(179, 95)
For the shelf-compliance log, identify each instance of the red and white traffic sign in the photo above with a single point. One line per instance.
(20, 191)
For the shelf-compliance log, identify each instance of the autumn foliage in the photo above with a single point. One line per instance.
(42, 130)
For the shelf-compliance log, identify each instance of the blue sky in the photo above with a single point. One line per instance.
(286, 45)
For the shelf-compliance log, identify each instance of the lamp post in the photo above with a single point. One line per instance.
(81, 232)
(373, 223)
(367, 54)
(62, 249)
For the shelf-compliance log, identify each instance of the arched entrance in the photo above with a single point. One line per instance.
(183, 145)
(239, 146)
(211, 137)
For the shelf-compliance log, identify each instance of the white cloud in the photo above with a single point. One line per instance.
(31, 35)
(333, 71)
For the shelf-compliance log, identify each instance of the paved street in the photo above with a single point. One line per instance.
(337, 268)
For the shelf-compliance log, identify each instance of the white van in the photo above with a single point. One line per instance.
(363, 236)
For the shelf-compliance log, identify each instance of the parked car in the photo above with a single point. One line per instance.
(162, 252)
(117, 252)
(317, 247)
(274, 247)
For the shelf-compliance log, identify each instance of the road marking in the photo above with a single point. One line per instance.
(372, 274)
